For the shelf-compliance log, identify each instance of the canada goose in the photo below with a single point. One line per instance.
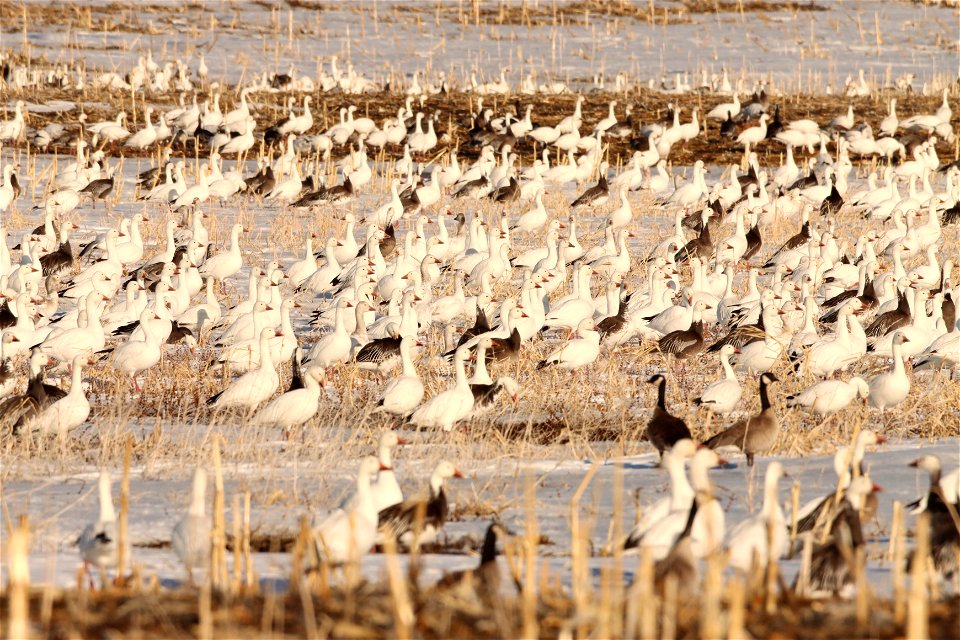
(756, 434)
(663, 428)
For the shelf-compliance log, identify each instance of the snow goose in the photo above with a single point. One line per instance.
(68, 412)
(403, 394)
(413, 523)
(578, 352)
(98, 540)
(940, 503)
(253, 387)
(225, 265)
(708, 526)
(295, 407)
(134, 356)
(889, 389)
(333, 348)
(760, 356)
(725, 110)
(347, 534)
(191, 537)
(681, 493)
(761, 537)
(80, 340)
(448, 407)
(386, 490)
(664, 430)
(756, 434)
(204, 314)
(723, 395)
(830, 396)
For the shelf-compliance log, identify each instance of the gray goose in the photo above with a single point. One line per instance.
(664, 429)
(755, 434)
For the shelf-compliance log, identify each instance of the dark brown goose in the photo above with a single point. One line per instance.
(416, 522)
(485, 395)
(381, 355)
(832, 565)
(797, 239)
(17, 410)
(482, 581)
(686, 343)
(891, 320)
(61, 259)
(756, 434)
(504, 349)
(480, 326)
(597, 195)
(865, 293)
(754, 242)
(507, 194)
(340, 193)
(701, 247)
(942, 508)
(664, 429)
(611, 326)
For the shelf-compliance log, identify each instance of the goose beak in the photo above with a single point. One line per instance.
(402, 441)
(457, 473)
(876, 488)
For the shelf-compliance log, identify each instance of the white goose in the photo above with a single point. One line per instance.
(578, 352)
(225, 265)
(294, 407)
(134, 356)
(763, 536)
(889, 389)
(191, 537)
(402, 395)
(830, 396)
(448, 407)
(681, 493)
(347, 534)
(69, 411)
(253, 387)
(723, 395)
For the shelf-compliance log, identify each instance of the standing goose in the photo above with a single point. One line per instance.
(98, 541)
(413, 523)
(402, 395)
(756, 434)
(597, 195)
(723, 395)
(762, 536)
(889, 389)
(686, 343)
(681, 493)
(830, 396)
(664, 430)
(191, 539)
(578, 352)
(348, 534)
(64, 414)
(295, 407)
(381, 355)
(224, 265)
(253, 387)
(448, 407)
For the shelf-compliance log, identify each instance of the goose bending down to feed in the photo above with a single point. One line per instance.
(576, 353)
(756, 434)
(664, 430)
(482, 582)
(413, 523)
(830, 396)
(348, 534)
(191, 539)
